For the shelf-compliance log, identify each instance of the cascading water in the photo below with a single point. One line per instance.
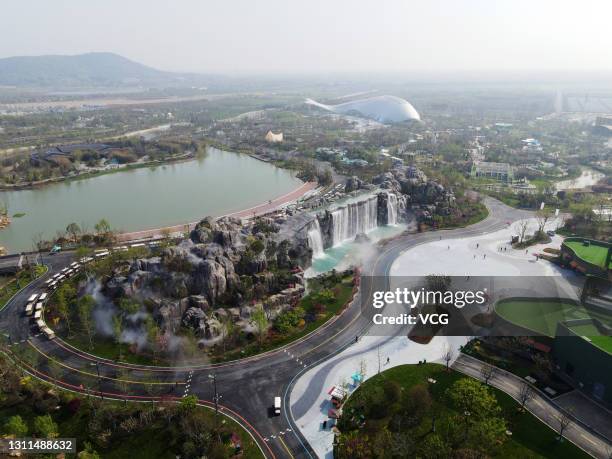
(344, 223)
(391, 209)
(353, 219)
(315, 240)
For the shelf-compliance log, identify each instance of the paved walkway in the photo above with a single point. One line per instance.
(540, 406)
(309, 399)
(587, 410)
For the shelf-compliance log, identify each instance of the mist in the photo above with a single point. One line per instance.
(318, 37)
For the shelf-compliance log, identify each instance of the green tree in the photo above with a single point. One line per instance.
(471, 396)
(88, 452)
(62, 306)
(45, 427)
(129, 306)
(152, 335)
(188, 403)
(102, 227)
(74, 230)
(117, 331)
(434, 447)
(85, 307)
(260, 319)
(488, 433)
(16, 426)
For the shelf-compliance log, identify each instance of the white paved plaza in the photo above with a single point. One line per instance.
(488, 255)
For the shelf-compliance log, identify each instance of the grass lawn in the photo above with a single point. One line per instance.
(530, 437)
(107, 348)
(542, 315)
(593, 253)
(601, 341)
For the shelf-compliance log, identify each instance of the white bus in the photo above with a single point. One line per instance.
(43, 296)
(37, 314)
(40, 324)
(29, 309)
(47, 331)
(32, 298)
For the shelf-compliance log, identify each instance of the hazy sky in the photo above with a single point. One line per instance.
(294, 36)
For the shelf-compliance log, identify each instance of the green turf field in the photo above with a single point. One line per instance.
(542, 315)
(593, 253)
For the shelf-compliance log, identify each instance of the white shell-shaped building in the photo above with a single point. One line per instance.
(385, 109)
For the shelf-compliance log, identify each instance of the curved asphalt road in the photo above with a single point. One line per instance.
(247, 387)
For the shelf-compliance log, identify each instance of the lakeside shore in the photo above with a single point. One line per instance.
(251, 212)
(96, 173)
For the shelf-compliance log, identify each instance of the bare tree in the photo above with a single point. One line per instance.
(521, 228)
(564, 419)
(448, 355)
(525, 394)
(487, 372)
(363, 368)
(542, 217)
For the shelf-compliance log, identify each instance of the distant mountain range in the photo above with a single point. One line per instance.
(87, 70)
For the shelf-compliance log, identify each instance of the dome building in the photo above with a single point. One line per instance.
(384, 109)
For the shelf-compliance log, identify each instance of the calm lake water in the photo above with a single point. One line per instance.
(218, 183)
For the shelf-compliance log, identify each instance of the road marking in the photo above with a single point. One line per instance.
(286, 448)
(587, 439)
(93, 375)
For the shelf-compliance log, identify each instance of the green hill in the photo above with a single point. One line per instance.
(91, 69)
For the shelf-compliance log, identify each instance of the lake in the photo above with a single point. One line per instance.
(215, 184)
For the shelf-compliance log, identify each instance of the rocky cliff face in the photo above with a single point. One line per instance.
(214, 276)
(425, 197)
(382, 209)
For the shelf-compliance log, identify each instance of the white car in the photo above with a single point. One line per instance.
(277, 406)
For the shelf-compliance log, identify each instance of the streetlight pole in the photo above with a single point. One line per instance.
(216, 395)
(216, 400)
